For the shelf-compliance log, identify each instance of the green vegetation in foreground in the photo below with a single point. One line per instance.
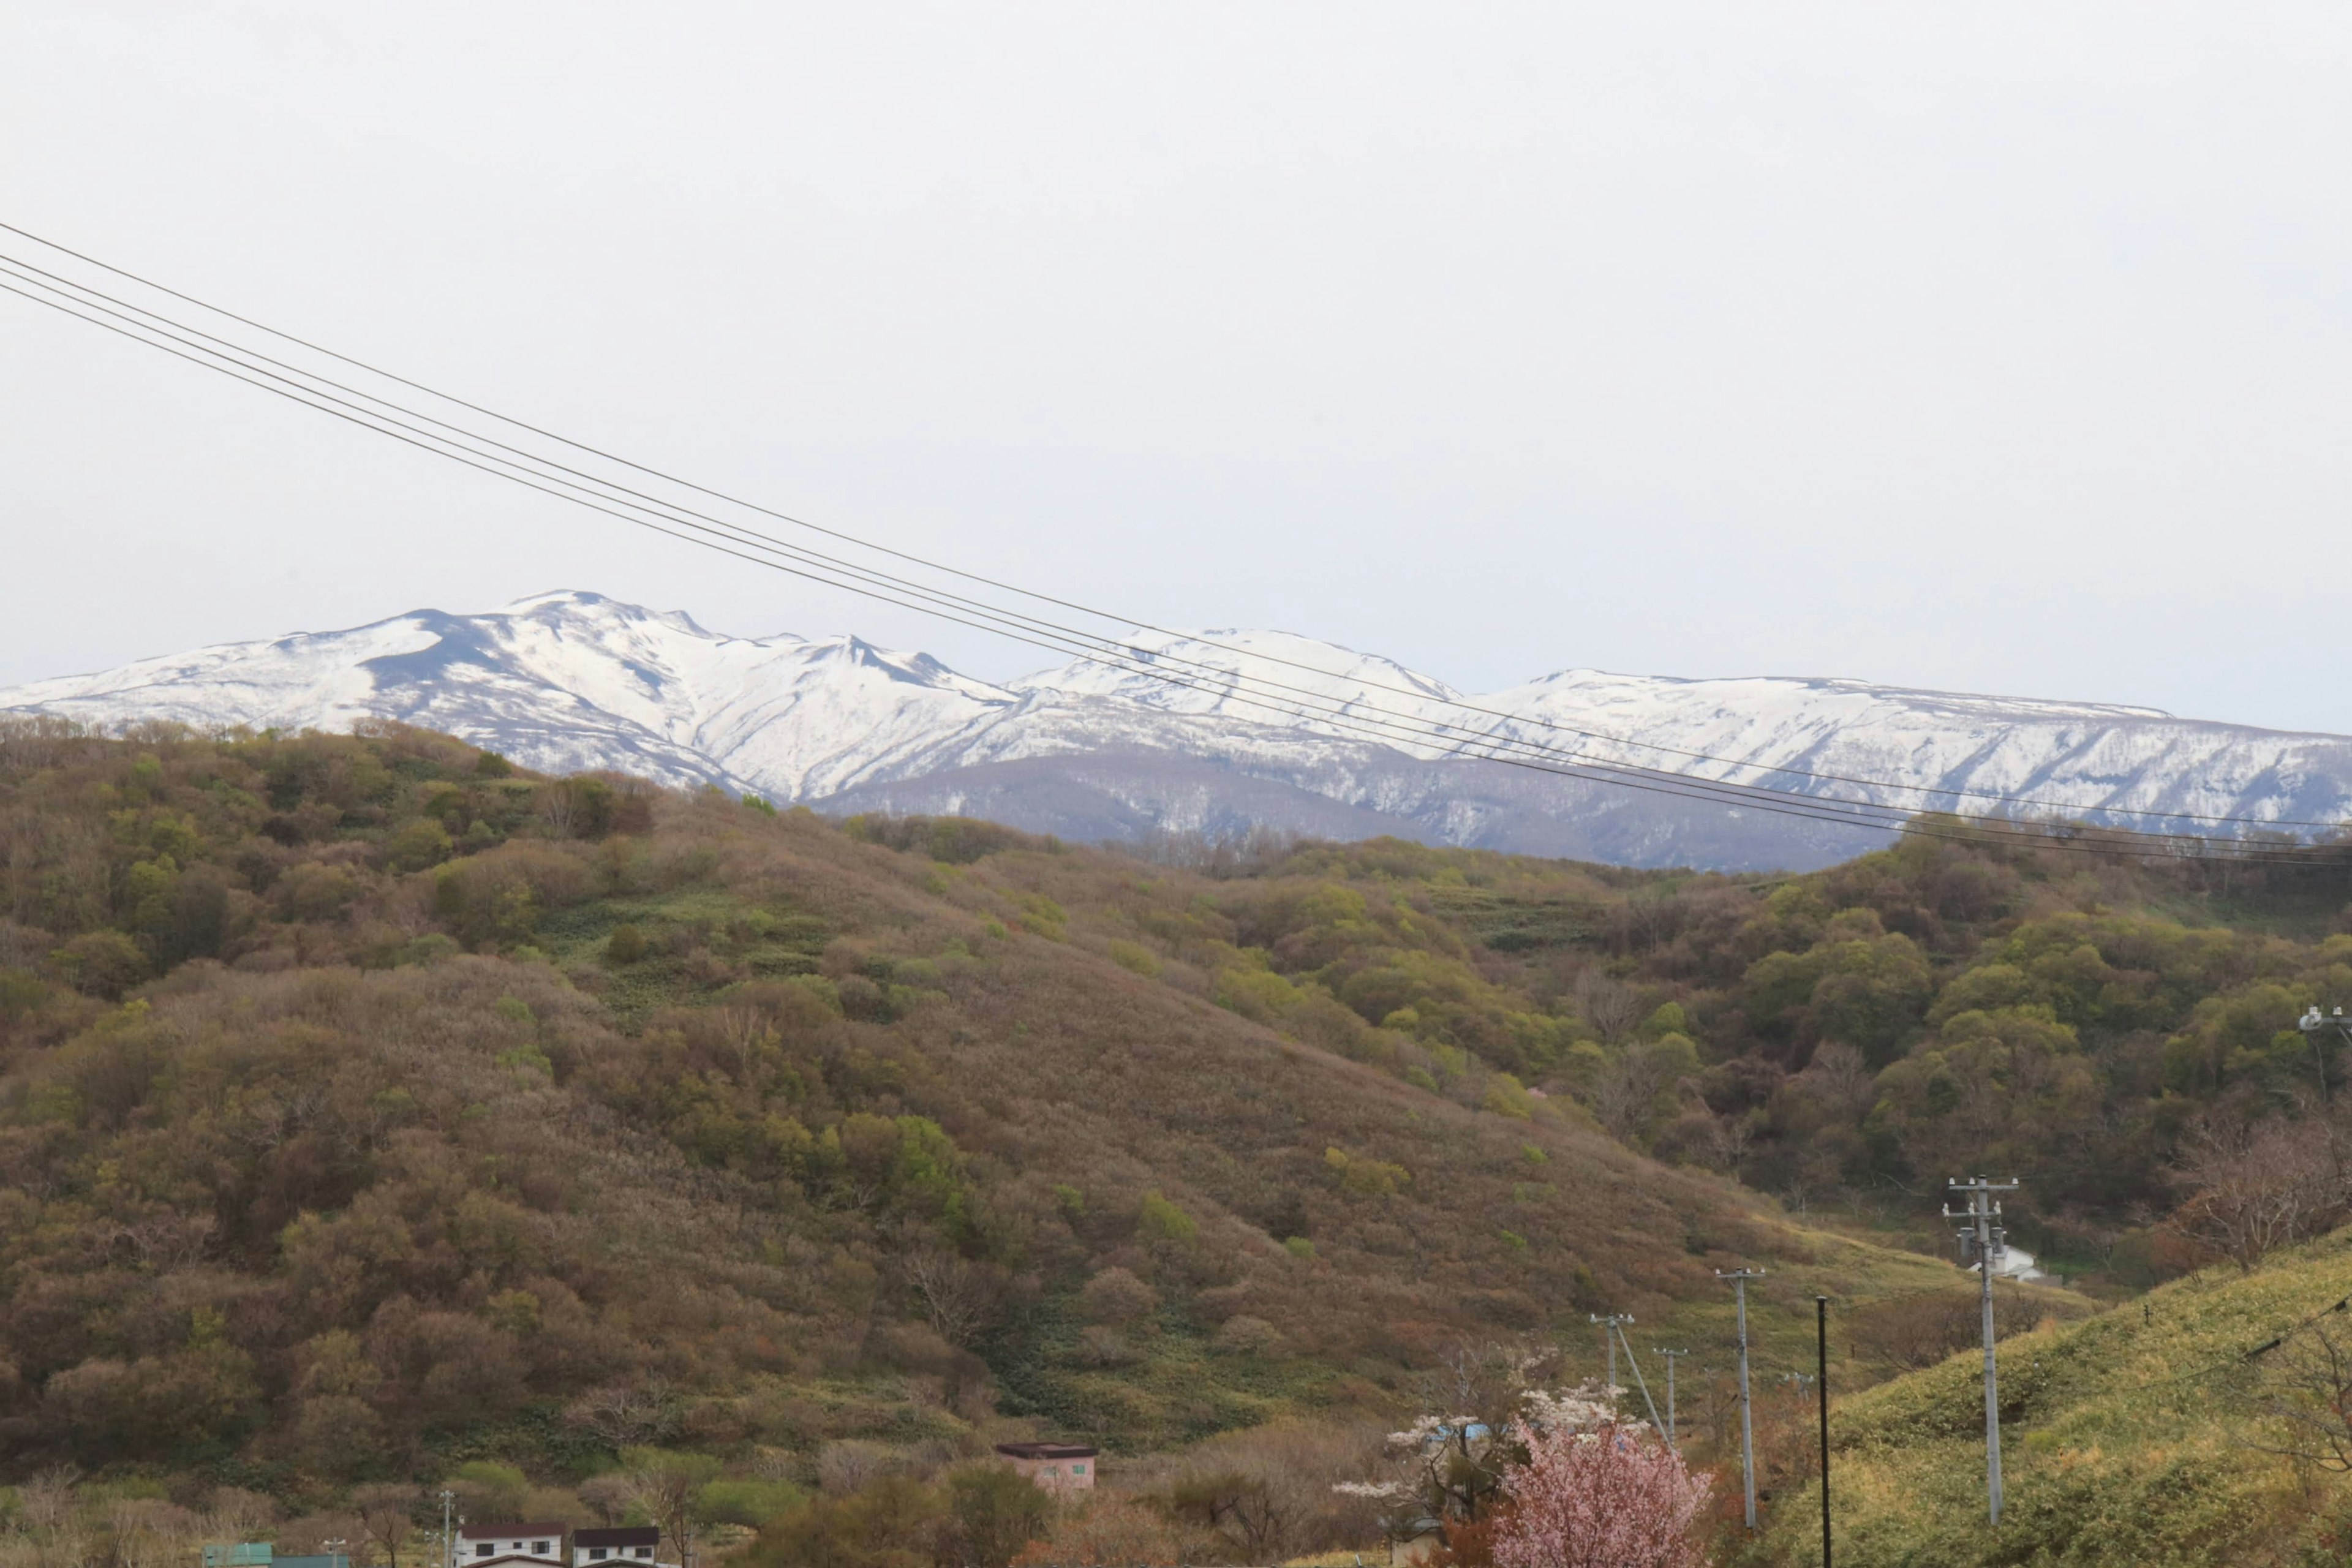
(2125, 1442)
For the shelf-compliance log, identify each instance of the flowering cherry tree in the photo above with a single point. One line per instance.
(1452, 1469)
(1599, 1495)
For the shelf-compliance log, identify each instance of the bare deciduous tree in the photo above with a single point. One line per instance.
(1272, 1491)
(1914, 1331)
(387, 1517)
(847, 1467)
(957, 1297)
(1609, 1004)
(664, 1485)
(2306, 1391)
(2256, 1189)
(623, 1414)
(1628, 1092)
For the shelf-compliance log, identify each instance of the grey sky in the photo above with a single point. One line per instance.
(1991, 347)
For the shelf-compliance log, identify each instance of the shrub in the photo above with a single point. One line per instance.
(753, 1502)
(1245, 1335)
(626, 945)
(102, 963)
(992, 1514)
(894, 1522)
(1115, 1296)
(1161, 1220)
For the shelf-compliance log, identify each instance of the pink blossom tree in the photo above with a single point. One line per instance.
(1609, 1496)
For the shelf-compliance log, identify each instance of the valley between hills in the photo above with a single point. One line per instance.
(379, 1116)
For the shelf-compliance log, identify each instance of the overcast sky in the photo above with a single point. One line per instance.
(2000, 348)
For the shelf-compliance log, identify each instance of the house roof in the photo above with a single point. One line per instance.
(1046, 1451)
(507, 1532)
(619, 1535)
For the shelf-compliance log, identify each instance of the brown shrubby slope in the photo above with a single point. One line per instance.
(368, 1106)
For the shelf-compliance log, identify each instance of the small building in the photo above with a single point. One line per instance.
(485, 1545)
(244, 1554)
(1055, 1466)
(624, 1543)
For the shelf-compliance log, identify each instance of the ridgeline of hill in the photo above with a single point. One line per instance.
(367, 1107)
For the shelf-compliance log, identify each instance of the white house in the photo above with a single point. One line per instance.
(629, 1543)
(485, 1545)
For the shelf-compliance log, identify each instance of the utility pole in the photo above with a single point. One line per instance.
(1822, 1381)
(1615, 1333)
(1739, 1279)
(2311, 1023)
(449, 1528)
(1670, 1356)
(1609, 1322)
(1984, 1239)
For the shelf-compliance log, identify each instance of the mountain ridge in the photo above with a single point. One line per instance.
(570, 681)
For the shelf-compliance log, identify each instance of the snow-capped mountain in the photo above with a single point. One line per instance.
(1270, 728)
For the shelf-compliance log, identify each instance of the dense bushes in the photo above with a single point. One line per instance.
(362, 1106)
(527, 1124)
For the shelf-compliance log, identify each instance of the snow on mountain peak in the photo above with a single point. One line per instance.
(570, 679)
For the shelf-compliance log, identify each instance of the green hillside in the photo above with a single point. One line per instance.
(368, 1107)
(2136, 1438)
(371, 1109)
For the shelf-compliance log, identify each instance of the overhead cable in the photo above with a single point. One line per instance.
(460, 442)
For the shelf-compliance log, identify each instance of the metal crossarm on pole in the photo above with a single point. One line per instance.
(1984, 1240)
(1739, 1279)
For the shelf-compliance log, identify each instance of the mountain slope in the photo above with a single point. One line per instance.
(2134, 1438)
(567, 681)
(443, 1100)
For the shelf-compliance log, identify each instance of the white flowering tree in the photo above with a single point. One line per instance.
(1451, 1469)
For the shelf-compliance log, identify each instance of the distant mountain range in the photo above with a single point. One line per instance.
(566, 681)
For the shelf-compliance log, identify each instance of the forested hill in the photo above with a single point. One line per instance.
(368, 1104)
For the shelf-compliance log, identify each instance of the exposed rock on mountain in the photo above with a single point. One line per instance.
(572, 680)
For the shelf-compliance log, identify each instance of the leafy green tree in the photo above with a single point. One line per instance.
(489, 1490)
(995, 1512)
(102, 963)
(893, 1521)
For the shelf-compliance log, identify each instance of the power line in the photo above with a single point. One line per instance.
(1374, 723)
(1381, 725)
(1452, 701)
